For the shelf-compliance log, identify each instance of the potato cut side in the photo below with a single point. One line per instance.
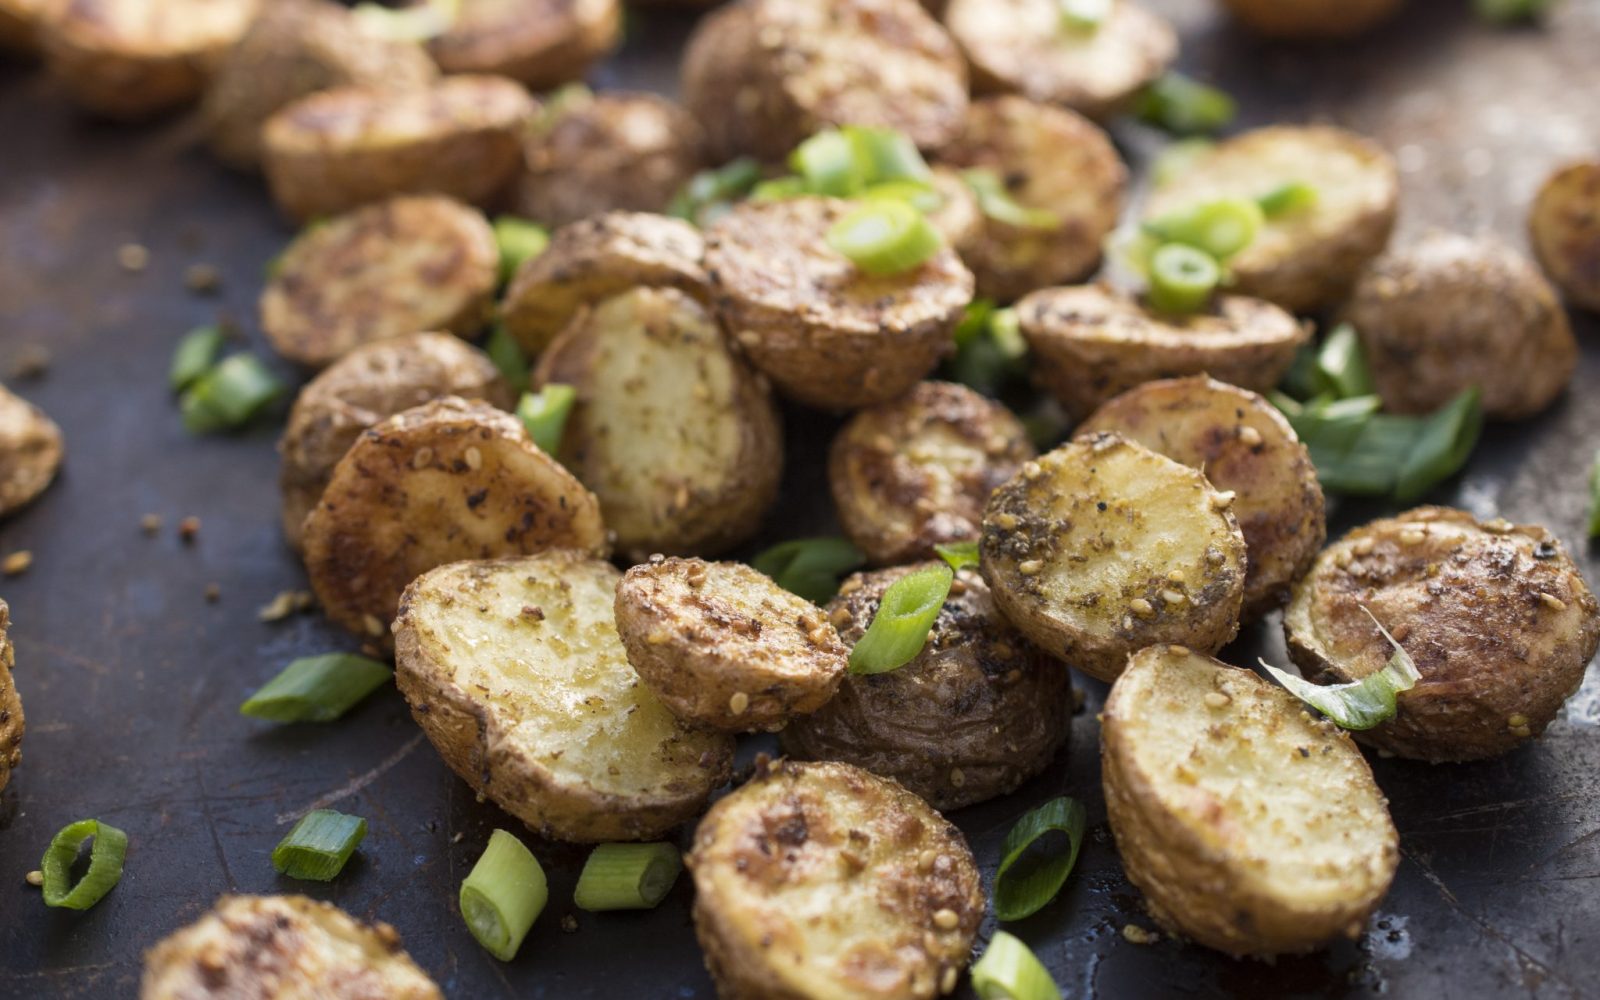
(1564, 227)
(1103, 547)
(515, 671)
(543, 43)
(12, 723)
(30, 451)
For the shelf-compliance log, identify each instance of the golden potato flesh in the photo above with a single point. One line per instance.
(1248, 825)
(974, 715)
(1243, 445)
(514, 669)
(542, 43)
(824, 882)
(1496, 617)
(1311, 19)
(916, 472)
(282, 948)
(827, 333)
(673, 432)
(1103, 547)
(12, 723)
(1564, 227)
(1451, 312)
(30, 451)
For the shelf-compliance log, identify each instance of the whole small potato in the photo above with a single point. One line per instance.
(1451, 312)
(1564, 227)
(30, 451)
(1311, 19)
(542, 43)
(12, 723)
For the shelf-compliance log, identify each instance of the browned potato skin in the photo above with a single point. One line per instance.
(1564, 228)
(371, 383)
(828, 334)
(701, 635)
(30, 452)
(1451, 312)
(1243, 444)
(1090, 343)
(896, 503)
(1311, 20)
(20, 21)
(978, 712)
(763, 75)
(1467, 600)
(334, 150)
(12, 723)
(1051, 159)
(542, 43)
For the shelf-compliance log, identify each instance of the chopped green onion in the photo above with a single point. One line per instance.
(1182, 279)
(503, 895)
(196, 353)
(923, 197)
(1361, 452)
(1176, 159)
(229, 394)
(779, 188)
(1184, 106)
(1360, 704)
(106, 854)
(560, 103)
(885, 237)
(904, 617)
(989, 347)
(544, 414)
(709, 191)
(809, 567)
(829, 165)
(886, 155)
(1295, 196)
(1009, 970)
(1221, 228)
(1506, 11)
(959, 555)
(627, 877)
(519, 241)
(1025, 881)
(996, 202)
(1342, 364)
(506, 354)
(317, 688)
(1084, 16)
(1444, 441)
(319, 845)
(1594, 498)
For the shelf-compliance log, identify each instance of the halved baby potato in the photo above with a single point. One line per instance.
(444, 481)
(679, 440)
(1564, 227)
(334, 150)
(725, 647)
(1248, 825)
(1496, 617)
(282, 947)
(824, 882)
(30, 451)
(957, 217)
(829, 334)
(1243, 445)
(1090, 342)
(1308, 258)
(12, 723)
(514, 669)
(421, 262)
(1311, 19)
(1103, 547)
(979, 711)
(542, 43)
(915, 472)
(593, 259)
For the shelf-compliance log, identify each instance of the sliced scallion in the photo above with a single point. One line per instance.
(1221, 227)
(506, 354)
(1182, 279)
(1009, 970)
(779, 188)
(923, 197)
(885, 237)
(1342, 364)
(886, 155)
(1508, 11)
(1360, 704)
(544, 414)
(989, 347)
(959, 555)
(106, 854)
(627, 877)
(809, 567)
(229, 394)
(1084, 16)
(519, 241)
(829, 163)
(318, 846)
(1026, 881)
(1444, 441)
(503, 895)
(195, 355)
(1184, 106)
(900, 627)
(707, 189)
(1176, 159)
(1295, 196)
(1594, 498)
(996, 202)
(317, 688)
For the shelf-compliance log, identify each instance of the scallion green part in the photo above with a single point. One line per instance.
(1594, 498)
(1361, 452)
(829, 165)
(229, 394)
(506, 354)
(544, 414)
(1342, 365)
(960, 555)
(1286, 199)
(1176, 159)
(627, 877)
(1028, 879)
(1508, 11)
(1221, 227)
(710, 192)
(779, 188)
(1009, 970)
(887, 155)
(107, 851)
(900, 627)
(810, 567)
(989, 348)
(923, 197)
(519, 241)
(1084, 16)
(1443, 443)
(1360, 704)
(885, 237)
(1182, 279)
(317, 688)
(1184, 106)
(996, 202)
(503, 895)
(318, 846)
(195, 355)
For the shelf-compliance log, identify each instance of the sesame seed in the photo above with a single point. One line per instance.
(946, 919)
(1141, 607)
(1173, 597)
(1553, 602)
(1216, 699)
(474, 458)
(1499, 526)
(850, 586)
(150, 523)
(1364, 547)
(947, 979)
(1522, 731)
(1517, 721)
(1028, 567)
(1005, 521)
(1224, 500)
(841, 617)
(738, 702)
(957, 777)
(34, 878)
(1412, 536)
(925, 861)
(371, 623)
(659, 637)
(133, 257)
(1031, 471)
(1177, 650)
(1344, 559)
(1176, 576)
(16, 563)
(421, 457)
(1250, 436)
(820, 635)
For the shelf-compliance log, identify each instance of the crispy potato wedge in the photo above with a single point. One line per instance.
(822, 881)
(30, 452)
(827, 333)
(282, 947)
(1308, 259)
(1050, 159)
(20, 23)
(1311, 20)
(542, 43)
(514, 670)
(334, 150)
(1451, 312)
(1103, 547)
(725, 647)
(1090, 342)
(1564, 228)
(677, 437)
(12, 723)
(1248, 825)
(1244, 445)
(413, 263)
(372, 382)
(1496, 617)
(444, 481)
(916, 472)
(594, 259)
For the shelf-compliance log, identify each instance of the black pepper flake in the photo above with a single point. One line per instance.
(1545, 550)
(476, 498)
(1101, 506)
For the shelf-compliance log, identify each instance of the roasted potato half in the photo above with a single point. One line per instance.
(30, 451)
(725, 647)
(1103, 547)
(444, 481)
(824, 882)
(1243, 445)
(420, 262)
(514, 670)
(916, 472)
(1050, 159)
(1564, 227)
(1310, 20)
(282, 947)
(594, 259)
(677, 437)
(957, 218)
(827, 333)
(763, 75)
(1248, 825)
(372, 382)
(1307, 259)
(977, 713)
(1089, 343)
(334, 150)
(20, 21)
(12, 723)
(1496, 617)
(542, 43)
(1024, 47)
(1451, 312)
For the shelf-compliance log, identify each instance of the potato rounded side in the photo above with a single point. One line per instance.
(30, 452)
(1564, 227)
(542, 43)
(12, 723)
(1310, 20)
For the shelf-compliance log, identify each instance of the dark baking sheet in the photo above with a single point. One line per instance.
(131, 679)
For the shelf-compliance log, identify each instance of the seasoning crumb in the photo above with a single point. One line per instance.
(286, 603)
(957, 777)
(738, 703)
(373, 626)
(1006, 521)
(150, 524)
(569, 924)
(1028, 567)
(1216, 699)
(188, 528)
(133, 257)
(202, 279)
(458, 837)
(1141, 607)
(16, 563)
(213, 593)
(35, 877)
(1224, 500)
(946, 919)
(948, 979)
(31, 361)
(1134, 934)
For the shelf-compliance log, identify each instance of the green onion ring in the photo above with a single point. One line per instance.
(317, 688)
(904, 617)
(318, 846)
(1022, 894)
(885, 237)
(627, 877)
(544, 414)
(959, 555)
(106, 854)
(1009, 970)
(503, 895)
(1182, 279)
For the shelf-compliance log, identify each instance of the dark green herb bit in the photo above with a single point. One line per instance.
(229, 394)
(1184, 106)
(506, 354)
(519, 241)
(195, 355)
(544, 414)
(317, 688)
(319, 845)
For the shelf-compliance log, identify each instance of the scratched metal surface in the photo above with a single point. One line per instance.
(131, 679)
